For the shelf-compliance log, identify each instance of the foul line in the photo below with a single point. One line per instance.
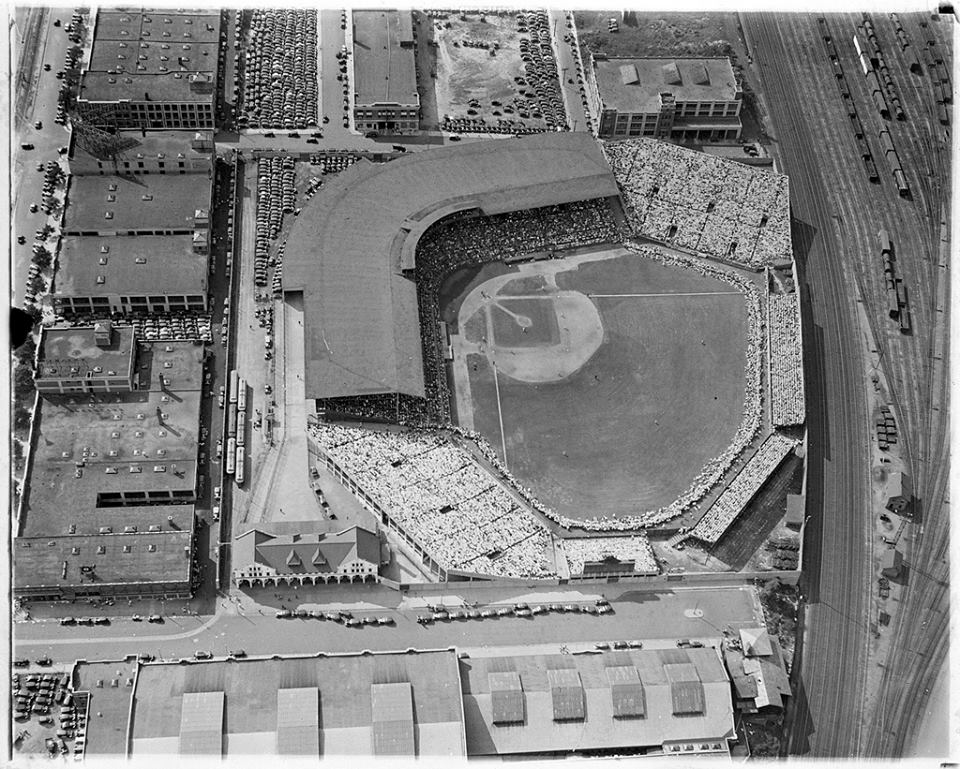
(702, 293)
(503, 436)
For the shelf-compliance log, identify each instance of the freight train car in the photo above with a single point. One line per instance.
(240, 469)
(231, 455)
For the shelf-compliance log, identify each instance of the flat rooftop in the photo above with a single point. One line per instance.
(113, 559)
(635, 84)
(107, 734)
(120, 432)
(629, 698)
(169, 146)
(73, 352)
(384, 72)
(139, 203)
(361, 324)
(138, 264)
(345, 683)
(151, 52)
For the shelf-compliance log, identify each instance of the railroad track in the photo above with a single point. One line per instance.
(917, 381)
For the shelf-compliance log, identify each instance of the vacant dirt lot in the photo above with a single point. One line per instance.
(464, 73)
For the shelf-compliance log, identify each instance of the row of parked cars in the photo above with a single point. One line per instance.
(440, 613)
(343, 617)
(84, 620)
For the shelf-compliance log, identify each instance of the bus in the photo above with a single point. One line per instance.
(239, 476)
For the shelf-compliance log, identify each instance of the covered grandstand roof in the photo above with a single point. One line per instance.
(344, 253)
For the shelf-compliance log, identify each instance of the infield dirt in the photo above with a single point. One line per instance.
(643, 387)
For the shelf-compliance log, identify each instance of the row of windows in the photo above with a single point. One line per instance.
(133, 304)
(387, 114)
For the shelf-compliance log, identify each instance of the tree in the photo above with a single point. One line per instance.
(42, 257)
(21, 419)
(26, 352)
(23, 382)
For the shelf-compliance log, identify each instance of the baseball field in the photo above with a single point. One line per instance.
(605, 381)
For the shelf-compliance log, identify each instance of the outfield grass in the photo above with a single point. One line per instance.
(660, 397)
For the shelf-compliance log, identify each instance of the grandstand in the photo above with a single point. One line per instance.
(785, 353)
(348, 251)
(703, 203)
(742, 489)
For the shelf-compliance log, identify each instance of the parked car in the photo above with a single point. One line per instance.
(146, 657)
(26, 146)
(137, 618)
(202, 655)
(284, 614)
(39, 124)
(385, 620)
(21, 239)
(44, 662)
(603, 645)
(155, 618)
(33, 206)
(101, 620)
(67, 621)
(238, 653)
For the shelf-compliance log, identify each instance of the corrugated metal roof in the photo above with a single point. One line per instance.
(626, 691)
(392, 708)
(567, 694)
(201, 724)
(687, 697)
(298, 721)
(506, 697)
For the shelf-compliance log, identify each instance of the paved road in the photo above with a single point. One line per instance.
(568, 70)
(644, 614)
(38, 101)
(827, 698)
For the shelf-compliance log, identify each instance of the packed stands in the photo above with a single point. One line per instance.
(742, 489)
(435, 493)
(636, 549)
(703, 203)
(461, 240)
(787, 404)
(280, 70)
(714, 470)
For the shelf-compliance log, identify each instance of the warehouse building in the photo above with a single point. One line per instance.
(304, 553)
(680, 99)
(758, 671)
(673, 702)
(422, 703)
(152, 69)
(385, 73)
(112, 473)
(134, 244)
(139, 152)
(381, 704)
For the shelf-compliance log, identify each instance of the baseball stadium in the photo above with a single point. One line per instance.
(555, 347)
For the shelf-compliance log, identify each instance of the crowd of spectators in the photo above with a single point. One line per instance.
(276, 195)
(742, 489)
(703, 203)
(461, 241)
(434, 491)
(787, 405)
(280, 70)
(636, 548)
(713, 472)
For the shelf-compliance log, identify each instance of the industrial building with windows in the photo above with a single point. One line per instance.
(134, 244)
(95, 152)
(115, 435)
(385, 73)
(679, 99)
(152, 69)
(442, 702)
